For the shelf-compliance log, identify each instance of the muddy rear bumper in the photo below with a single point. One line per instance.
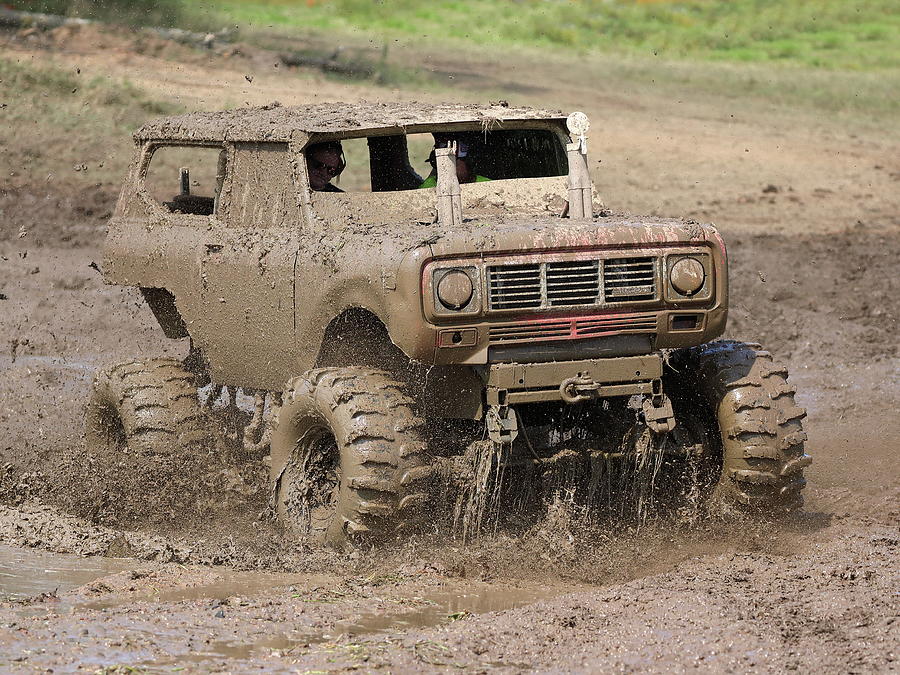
(513, 383)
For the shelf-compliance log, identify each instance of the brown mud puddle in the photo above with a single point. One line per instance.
(52, 584)
(25, 573)
(437, 608)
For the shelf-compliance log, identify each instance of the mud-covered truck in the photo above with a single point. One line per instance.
(395, 284)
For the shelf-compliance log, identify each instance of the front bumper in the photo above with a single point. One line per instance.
(514, 383)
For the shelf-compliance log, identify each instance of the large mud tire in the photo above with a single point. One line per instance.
(349, 464)
(751, 405)
(144, 407)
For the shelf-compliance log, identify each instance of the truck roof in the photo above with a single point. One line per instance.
(278, 123)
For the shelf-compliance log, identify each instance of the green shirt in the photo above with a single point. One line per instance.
(431, 181)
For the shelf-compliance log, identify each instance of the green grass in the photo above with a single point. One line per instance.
(868, 95)
(131, 12)
(831, 34)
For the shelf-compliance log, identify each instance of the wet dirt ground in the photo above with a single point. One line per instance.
(809, 208)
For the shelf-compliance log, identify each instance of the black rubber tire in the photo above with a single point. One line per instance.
(383, 472)
(751, 405)
(144, 407)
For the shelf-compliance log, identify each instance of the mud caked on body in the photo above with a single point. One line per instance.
(435, 350)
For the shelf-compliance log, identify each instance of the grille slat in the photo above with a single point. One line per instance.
(516, 277)
(629, 274)
(515, 286)
(564, 284)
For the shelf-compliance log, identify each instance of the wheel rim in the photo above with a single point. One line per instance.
(311, 483)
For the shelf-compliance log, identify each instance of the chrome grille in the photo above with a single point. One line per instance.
(515, 286)
(571, 283)
(629, 279)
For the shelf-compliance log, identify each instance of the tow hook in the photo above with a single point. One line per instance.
(502, 424)
(579, 388)
(658, 412)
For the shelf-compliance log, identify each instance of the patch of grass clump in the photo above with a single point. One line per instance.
(52, 117)
(130, 12)
(66, 98)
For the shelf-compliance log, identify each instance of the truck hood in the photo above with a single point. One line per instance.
(499, 236)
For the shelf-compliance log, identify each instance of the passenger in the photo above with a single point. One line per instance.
(465, 172)
(325, 161)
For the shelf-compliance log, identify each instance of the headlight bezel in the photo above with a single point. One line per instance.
(472, 307)
(454, 290)
(703, 293)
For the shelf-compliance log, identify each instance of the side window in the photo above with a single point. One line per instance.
(375, 164)
(261, 190)
(186, 178)
(339, 166)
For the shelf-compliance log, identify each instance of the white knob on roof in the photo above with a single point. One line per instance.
(578, 124)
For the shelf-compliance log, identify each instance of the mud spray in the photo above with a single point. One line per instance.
(584, 489)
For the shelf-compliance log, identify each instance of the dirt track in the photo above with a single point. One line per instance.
(813, 277)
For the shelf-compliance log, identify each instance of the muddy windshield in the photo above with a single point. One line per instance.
(395, 175)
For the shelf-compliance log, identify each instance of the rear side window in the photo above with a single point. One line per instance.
(186, 178)
(261, 190)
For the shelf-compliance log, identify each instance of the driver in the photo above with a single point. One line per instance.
(325, 161)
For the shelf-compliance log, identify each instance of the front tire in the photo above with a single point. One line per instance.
(349, 464)
(760, 430)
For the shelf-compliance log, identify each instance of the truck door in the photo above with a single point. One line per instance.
(248, 257)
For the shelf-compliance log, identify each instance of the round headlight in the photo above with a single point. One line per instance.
(687, 276)
(455, 289)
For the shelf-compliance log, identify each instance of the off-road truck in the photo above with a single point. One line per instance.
(383, 328)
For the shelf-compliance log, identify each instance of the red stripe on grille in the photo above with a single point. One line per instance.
(572, 328)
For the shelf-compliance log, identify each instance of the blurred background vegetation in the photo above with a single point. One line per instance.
(128, 12)
(821, 34)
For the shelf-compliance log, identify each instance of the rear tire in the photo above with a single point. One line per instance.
(144, 407)
(349, 464)
(751, 405)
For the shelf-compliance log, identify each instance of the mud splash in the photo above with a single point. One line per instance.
(647, 478)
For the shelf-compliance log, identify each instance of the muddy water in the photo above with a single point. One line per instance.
(27, 572)
(440, 608)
